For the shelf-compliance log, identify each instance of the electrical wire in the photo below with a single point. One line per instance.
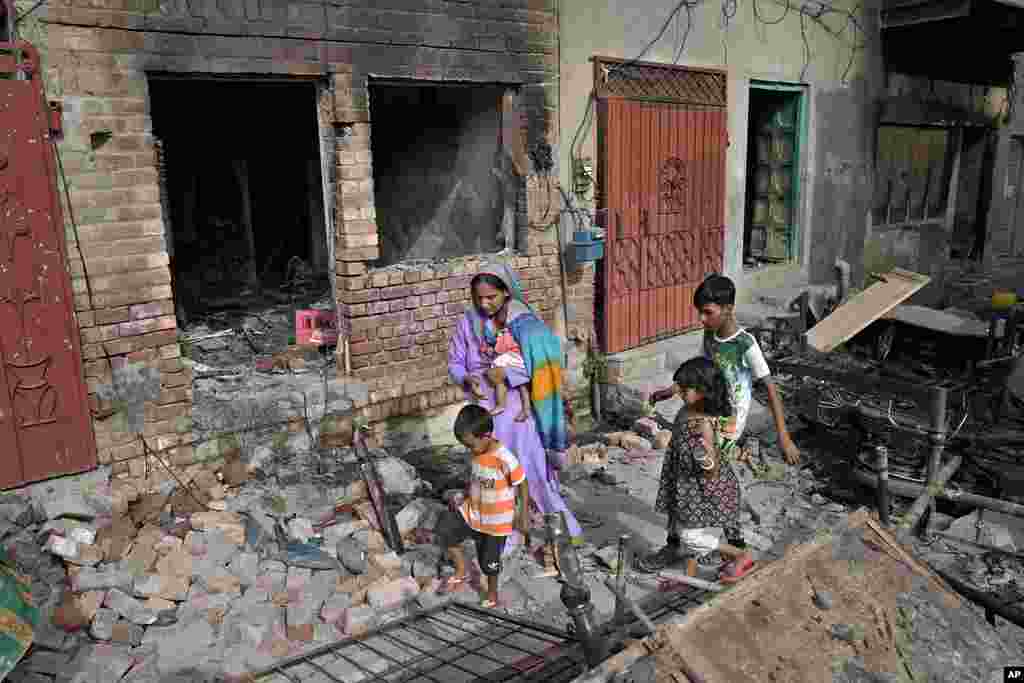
(815, 12)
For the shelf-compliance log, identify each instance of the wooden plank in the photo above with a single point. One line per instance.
(861, 310)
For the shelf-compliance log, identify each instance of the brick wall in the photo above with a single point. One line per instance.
(98, 57)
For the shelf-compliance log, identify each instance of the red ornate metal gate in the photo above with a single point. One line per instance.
(45, 424)
(662, 138)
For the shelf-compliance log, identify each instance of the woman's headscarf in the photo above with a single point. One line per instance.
(515, 306)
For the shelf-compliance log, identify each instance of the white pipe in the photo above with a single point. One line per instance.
(843, 280)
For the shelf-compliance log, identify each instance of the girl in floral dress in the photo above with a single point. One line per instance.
(699, 489)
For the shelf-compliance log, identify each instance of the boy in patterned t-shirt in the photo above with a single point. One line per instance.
(495, 503)
(739, 356)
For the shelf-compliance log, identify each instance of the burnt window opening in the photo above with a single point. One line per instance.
(913, 172)
(243, 197)
(441, 183)
(974, 192)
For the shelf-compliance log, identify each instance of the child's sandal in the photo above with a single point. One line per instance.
(451, 584)
(736, 570)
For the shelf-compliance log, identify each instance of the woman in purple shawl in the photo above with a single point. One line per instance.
(497, 302)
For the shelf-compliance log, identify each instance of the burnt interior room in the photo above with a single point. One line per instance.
(441, 186)
(241, 189)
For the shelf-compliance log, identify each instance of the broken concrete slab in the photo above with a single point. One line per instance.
(246, 566)
(129, 608)
(228, 522)
(397, 476)
(127, 633)
(999, 530)
(77, 610)
(167, 586)
(89, 579)
(353, 555)
(389, 594)
(182, 647)
(83, 496)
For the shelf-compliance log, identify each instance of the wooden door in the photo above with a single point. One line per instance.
(662, 189)
(45, 424)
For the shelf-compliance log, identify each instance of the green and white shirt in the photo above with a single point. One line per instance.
(741, 361)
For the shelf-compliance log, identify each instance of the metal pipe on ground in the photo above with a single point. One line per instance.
(991, 604)
(927, 498)
(1004, 506)
(574, 594)
(940, 398)
(883, 484)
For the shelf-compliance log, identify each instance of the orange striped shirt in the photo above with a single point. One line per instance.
(490, 506)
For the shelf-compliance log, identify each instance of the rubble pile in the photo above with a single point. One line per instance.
(215, 581)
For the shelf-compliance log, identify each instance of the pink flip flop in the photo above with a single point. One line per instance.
(736, 570)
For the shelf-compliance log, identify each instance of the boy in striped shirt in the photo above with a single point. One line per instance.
(495, 503)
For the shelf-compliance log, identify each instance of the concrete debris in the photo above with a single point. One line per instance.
(301, 529)
(397, 476)
(129, 608)
(994, 530)
(353, 555)
(84, 496)
(385, 595)
(103, 624)
(228, 522)
(823, 600)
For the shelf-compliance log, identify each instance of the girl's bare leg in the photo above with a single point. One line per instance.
(496, 376)
(731, 552)
(459, 560)
(524, 401)
(492, 589)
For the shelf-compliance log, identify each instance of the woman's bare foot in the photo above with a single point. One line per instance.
(523, 416)
(498, 410)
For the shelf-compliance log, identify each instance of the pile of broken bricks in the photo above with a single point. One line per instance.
(148, 587)
(639, 444)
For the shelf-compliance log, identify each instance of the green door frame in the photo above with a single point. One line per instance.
(801, 144)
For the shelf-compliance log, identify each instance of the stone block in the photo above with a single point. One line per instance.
(77, 610)
(333, 610)
(359, 620)
(297, 579)
(397, 476)
(228, 522)
(129, 608)
(223, 582)
(353, 555)
(181, 647)
(246, 566)
(169, 587)
(127, 633)
(385, 595)
(99, 662)
(89, 579)
(103, 624)
(175, 563)
(386, 562)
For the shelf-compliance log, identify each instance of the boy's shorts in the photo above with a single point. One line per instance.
(453, 530)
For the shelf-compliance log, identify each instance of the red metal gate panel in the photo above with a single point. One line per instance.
(45, 424)
(662, 185)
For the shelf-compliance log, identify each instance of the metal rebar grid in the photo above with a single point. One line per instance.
(452, 643)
